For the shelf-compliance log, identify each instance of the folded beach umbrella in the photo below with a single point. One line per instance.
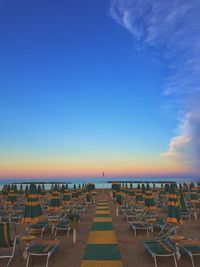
(143, 188)
(198, 190)
(12, 198)
(173, 206)
(26, 189)
(193, 196)
(43, 191)
(66, 196)
(180, 187)
(185, 189)
(162, 195)
(149, 200)
(21, 191)
(55, 203)
(139, 195)
(62, 188)
(167, 188)
(182, 203)
(39, 189)
(84, 189)
(90, 187)
(191, 185)
(33, 211)
(130, 192)
(79, 191)
(116, 186)
(74, 192)
(120, 198)
(5, 189)
(15, 189)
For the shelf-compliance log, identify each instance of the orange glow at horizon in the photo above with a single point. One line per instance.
(90, 167)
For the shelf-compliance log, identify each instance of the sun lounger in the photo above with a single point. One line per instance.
(42, 248)
(39, 227)
(140, 226)
(63, 225)
(191, 248)
(160, 248)
(6, 242)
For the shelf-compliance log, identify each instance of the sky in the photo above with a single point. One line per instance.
(88, 87)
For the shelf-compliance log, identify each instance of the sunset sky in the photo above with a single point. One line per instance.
(99, 86)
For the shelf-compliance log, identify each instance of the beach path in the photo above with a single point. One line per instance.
(102, 249)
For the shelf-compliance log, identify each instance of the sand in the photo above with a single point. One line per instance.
(131, 248)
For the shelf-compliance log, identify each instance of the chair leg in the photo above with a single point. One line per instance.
(68, 232)
(28, 259)
(193, 265)
(155, 261)
(19, 248)
(9, 261)
(175, 260)
(42, 233)
(47, 260)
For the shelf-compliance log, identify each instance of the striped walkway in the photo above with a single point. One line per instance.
(102, 249)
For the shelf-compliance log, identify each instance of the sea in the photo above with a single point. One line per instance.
(100, 182)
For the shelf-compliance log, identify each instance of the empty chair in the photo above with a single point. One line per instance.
(42, 248)
(63, 225)
(160, 248)
(6, 242)
(39, 227)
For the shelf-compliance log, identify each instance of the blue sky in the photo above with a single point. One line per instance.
(82, 83)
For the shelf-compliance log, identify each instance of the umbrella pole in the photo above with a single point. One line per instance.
(74, 236)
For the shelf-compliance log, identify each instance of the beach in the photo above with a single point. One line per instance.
(132, 251)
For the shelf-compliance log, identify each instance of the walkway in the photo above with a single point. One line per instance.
(102, 249)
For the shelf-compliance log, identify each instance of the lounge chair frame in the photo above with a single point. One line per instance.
(12, 254)
(48, 254)
(155, 256)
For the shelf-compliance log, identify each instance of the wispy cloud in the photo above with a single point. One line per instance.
(169, 31)
(186, 145)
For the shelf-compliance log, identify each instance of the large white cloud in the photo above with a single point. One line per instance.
(169, 31)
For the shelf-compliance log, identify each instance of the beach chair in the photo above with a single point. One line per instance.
(38, 228)
(160, 224)
(80, 209)
(135, 215)
(186, 214)
(63, 225)
(160, 248)
(191, 248)
(42, 248)
(6, 242)
(140, 226)
(166, 231)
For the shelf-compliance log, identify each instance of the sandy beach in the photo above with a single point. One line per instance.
(133, 253)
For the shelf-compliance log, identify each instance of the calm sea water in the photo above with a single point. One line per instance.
(99, 182)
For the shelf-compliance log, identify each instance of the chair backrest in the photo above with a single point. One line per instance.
(5, 237)
(168, 230)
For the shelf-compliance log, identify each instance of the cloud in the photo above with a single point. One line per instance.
(185, 146)
(169, 32)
